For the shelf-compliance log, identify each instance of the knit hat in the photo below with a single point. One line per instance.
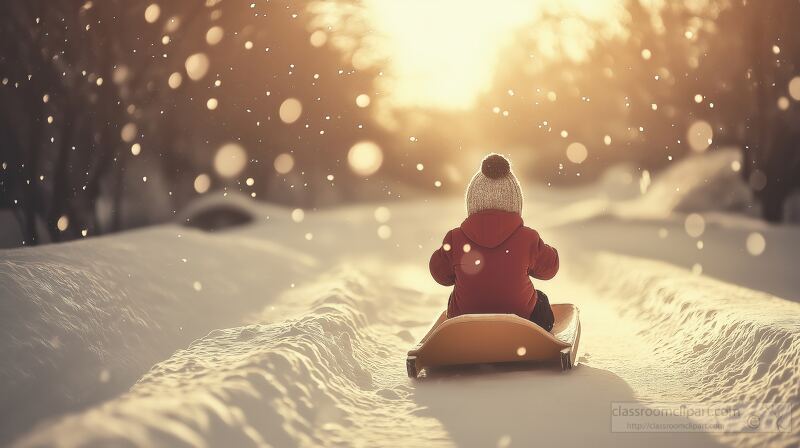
(494, 187)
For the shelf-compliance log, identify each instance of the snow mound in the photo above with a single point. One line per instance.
(699, 183)
(733, 344)
(82, 321)
(218, 212)
(301, 382)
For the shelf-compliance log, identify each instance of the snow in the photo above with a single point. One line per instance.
(118, 305)
(700, 182)
(298, 342)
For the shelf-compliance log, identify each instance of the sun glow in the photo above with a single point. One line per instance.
(445, 53)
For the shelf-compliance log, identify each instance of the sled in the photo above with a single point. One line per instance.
(497, 338)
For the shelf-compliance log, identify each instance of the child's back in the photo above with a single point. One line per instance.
(491, 256)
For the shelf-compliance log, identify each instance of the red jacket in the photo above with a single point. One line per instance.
(489, 260)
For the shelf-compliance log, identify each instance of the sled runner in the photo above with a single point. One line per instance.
(497, 338)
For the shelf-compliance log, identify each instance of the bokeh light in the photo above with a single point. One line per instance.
(362, 100)
(128, 132)
(152, 13)
(230, 160)
(197, 66)
(173, 23)
(695, 225)
(700, 136)
(794, 88)
(382, 214)
(384, 232)
(756, 244)
(120, 75)
(202, 183)
(283, 163)
(214, 35)
(175, 80)
(318, 38)
(290, 110)
(365, 158)
(63, 223)
(577, 152)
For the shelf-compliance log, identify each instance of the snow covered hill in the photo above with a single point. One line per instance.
(292, 330)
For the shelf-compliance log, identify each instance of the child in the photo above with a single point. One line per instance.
(490, 257)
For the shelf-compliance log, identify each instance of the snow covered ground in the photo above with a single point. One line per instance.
(281, 332)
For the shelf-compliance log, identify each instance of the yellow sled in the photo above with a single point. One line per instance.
(496, 338)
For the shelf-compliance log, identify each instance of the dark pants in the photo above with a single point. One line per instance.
(542, 314)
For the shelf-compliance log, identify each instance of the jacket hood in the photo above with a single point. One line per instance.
(489, 228)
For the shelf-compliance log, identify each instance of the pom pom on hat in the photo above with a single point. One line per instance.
(495, 166)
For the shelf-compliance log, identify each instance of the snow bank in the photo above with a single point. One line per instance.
(218, 212)
(698, 183)
(82, 321)
(730, 344)
(324, 378)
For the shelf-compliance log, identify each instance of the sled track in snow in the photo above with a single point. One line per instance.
(334, 373)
